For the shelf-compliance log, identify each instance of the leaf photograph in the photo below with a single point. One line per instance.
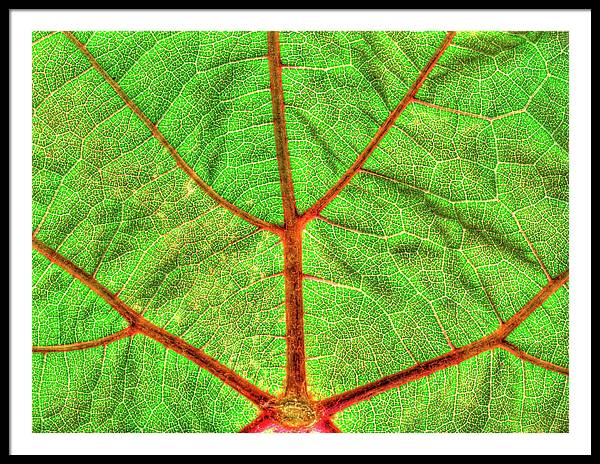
(319, 231)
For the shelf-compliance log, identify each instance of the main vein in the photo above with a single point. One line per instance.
(165, 143)
(138, 324)
(292, 237)
(281, 139)
(496, 339)
(333, 192)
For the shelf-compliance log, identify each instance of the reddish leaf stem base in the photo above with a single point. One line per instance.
(265, 422)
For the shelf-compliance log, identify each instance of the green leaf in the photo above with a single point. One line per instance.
(325, 231)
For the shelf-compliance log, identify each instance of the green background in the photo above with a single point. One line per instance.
(426, 248)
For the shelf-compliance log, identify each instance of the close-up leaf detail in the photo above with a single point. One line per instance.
(300, 231)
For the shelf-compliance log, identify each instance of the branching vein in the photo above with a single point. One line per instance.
(165, 143)
(138, 324)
